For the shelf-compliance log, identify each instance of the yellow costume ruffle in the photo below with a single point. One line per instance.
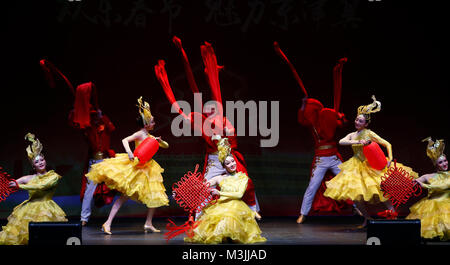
(38, 208)
(143, 183)
(358, 181)
(230, 218)
(434, 210)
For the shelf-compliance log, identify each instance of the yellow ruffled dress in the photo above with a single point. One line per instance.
(38, 208)
(358, 181)
(143, 183)
(229, 218)
(434, 210)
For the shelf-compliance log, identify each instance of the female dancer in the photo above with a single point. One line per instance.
(143, 183)
(434, 210)
(230, 219)
(358, 181)
(39, 207)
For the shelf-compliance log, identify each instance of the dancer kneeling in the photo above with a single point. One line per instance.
(229, 219)
(141, 182)
(39, 207)
(434, 210)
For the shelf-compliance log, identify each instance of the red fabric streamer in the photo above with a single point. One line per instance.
(161, 74)
(48, 68)
(82, 105)
(337, 82)
(294, 72)
(5, 189)
(212, 70)
(388, 214)
(187, 65)
(174, 230)
(192, 193)
(398, 186)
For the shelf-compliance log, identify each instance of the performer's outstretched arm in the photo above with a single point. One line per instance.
(424, 178)
(49, 182)
(444, 185)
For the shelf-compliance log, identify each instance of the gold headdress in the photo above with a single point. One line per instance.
(434, 149)
(373, 107)
(224, 149)
(35, 148)
(144, 110)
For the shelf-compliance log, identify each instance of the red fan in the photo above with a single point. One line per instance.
(398, 186)
(5, 189)
(192, 193)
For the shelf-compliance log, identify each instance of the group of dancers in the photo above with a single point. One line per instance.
(334, 184)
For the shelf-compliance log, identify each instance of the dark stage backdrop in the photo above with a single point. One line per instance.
(397, 50)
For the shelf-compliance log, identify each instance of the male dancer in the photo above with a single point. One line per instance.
(322, 123)
(97, 129)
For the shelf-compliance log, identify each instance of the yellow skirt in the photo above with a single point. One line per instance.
(434, 215)
(143, 183)
(231, 219)
(16, 231)
(357, 181)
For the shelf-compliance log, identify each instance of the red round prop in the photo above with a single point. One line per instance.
(146, 150)
(375, 156)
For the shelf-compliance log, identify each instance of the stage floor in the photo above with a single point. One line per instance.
(323, 230)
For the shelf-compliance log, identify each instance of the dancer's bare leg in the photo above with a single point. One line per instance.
(115, 208)
(363, 210)
(148, 226)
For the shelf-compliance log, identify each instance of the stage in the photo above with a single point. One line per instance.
(317, 230)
